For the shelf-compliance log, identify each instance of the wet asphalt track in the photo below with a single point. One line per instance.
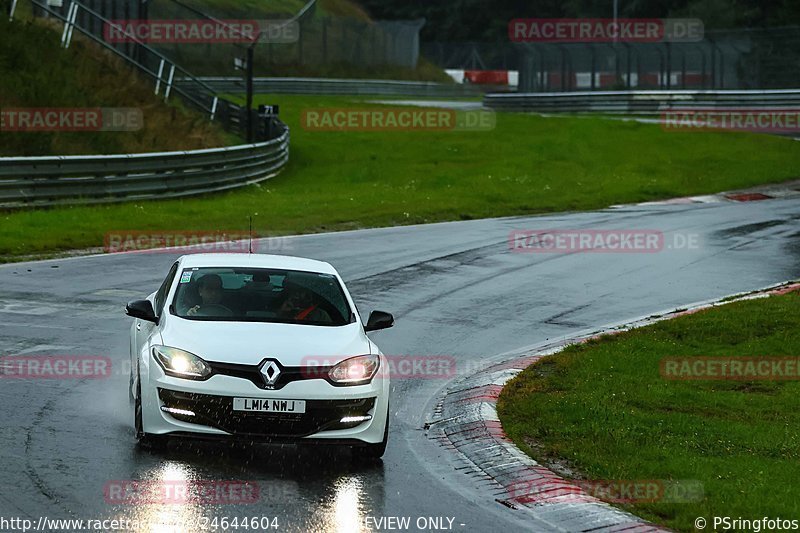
(454, 288)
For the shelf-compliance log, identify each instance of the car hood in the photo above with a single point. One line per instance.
(252, 342)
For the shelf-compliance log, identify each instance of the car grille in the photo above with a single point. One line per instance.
(288, 374)
(217, 411)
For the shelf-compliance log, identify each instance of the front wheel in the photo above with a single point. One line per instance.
(376, 451)
(145, 440)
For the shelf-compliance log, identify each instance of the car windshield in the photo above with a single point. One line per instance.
(261, 295)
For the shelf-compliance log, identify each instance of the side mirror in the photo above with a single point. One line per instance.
(141, 309)
(379, 320)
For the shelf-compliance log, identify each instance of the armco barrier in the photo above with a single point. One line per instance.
(45, 181)
(343, 87)
(640, 102)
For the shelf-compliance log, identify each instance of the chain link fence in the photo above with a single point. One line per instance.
(322, 39)
(724, 59)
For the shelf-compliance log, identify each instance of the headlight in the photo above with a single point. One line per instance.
(180, 363)
(356, 370)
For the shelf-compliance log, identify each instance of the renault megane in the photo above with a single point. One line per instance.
(258, 348)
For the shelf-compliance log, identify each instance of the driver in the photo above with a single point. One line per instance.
(210, 289)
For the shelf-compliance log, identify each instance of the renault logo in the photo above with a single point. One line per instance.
(271, 372)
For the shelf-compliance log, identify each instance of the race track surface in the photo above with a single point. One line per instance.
(455, 289)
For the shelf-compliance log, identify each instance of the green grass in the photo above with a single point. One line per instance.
(343, 8)
(37, 72)
(604, 409)
(346, 180)
(261, 8)
(234, 8)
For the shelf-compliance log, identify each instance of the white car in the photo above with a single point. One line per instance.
(257, 348)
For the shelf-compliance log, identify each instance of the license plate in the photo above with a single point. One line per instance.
(259, 405)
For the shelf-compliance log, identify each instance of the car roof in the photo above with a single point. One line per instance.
(286, 262)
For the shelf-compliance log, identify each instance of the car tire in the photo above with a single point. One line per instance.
(145, 440)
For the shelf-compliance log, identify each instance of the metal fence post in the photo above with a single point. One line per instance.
(160, 73)
(669, 64)
(661, 68)
(72, 7)
(703, 67)
(71, 25)
(169, 82)
(627, 65)
(683, 69)
(249, 96)
(214, 107)
(713, 51)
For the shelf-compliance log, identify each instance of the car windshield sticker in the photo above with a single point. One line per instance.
(186, 277)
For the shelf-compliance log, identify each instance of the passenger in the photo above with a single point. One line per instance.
(299, 305)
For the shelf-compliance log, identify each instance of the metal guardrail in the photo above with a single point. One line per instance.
(641, 102)
(330, 86)
(47, 181)
(54, 180)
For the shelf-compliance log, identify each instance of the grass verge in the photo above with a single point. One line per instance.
(604, 410)
(38, 73)
(349, 180)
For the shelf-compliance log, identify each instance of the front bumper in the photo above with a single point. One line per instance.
(217, 411)
(211, 401)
